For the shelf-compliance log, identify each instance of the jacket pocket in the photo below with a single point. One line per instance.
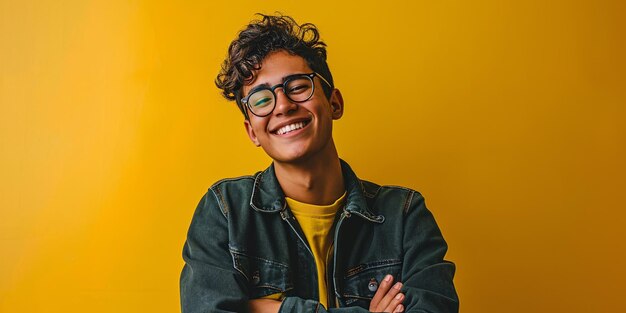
(265, 277)
(361, 282)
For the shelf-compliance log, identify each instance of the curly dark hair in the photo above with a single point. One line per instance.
(259, 39)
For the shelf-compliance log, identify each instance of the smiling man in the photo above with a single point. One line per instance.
(306, 234)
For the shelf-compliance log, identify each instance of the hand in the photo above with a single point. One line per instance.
(264, 306)
(388, 297)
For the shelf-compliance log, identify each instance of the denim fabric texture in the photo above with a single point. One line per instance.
(244, 243)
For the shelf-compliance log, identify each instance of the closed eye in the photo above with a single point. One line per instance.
(298, 89)
(262, 102)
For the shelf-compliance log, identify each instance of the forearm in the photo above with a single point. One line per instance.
(295, 304)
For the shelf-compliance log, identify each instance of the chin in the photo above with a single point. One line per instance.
(289, 152)
(291, 156)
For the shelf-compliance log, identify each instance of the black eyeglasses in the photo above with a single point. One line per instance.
(298, 88)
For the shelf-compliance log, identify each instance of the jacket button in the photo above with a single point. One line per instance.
(256, 278)
(373, 285)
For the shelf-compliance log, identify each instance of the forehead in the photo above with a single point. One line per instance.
(275, 67)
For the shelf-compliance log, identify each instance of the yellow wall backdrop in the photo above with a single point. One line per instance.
(509, 116)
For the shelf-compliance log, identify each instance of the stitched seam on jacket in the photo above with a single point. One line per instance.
(397, 187)
(236, 266)
(407, 202)
(241, 253)
(255, 190)
(373, 265)
(224, 180)
(345, 295)
(220, 201)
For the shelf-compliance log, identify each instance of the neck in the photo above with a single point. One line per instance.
(317, 180)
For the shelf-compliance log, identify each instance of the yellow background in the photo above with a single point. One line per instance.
(509, 116)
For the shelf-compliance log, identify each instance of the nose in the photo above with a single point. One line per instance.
(283, 104)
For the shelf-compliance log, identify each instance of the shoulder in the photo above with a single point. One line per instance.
(373, 190)
(233, 182)
(387, 196)
(232, 192)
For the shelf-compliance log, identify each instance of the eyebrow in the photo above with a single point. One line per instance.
(267, 85)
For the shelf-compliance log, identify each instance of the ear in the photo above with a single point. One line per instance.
(251, 133)
(336, 104)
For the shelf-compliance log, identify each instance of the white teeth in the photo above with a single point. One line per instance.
(289, 128)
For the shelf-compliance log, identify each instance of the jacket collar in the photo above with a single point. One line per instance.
(268, 196)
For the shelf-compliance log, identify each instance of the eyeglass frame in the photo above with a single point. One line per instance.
(311, 76)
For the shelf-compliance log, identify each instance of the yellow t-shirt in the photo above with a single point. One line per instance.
(316, 222)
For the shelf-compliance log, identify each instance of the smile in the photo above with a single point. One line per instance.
(292, 127)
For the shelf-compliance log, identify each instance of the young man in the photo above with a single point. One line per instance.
(306, 235)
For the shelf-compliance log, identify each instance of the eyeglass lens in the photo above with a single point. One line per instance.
(299, 89)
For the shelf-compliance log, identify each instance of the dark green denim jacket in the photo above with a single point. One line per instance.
(244, 243)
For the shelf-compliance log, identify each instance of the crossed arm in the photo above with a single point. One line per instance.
(388, 298)
(209, 281)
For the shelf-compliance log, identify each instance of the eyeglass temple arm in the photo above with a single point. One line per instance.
(323, 79)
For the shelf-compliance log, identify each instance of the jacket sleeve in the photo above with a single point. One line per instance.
(209, 282)
(427, 277)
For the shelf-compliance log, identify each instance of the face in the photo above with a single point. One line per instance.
(311, 120)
